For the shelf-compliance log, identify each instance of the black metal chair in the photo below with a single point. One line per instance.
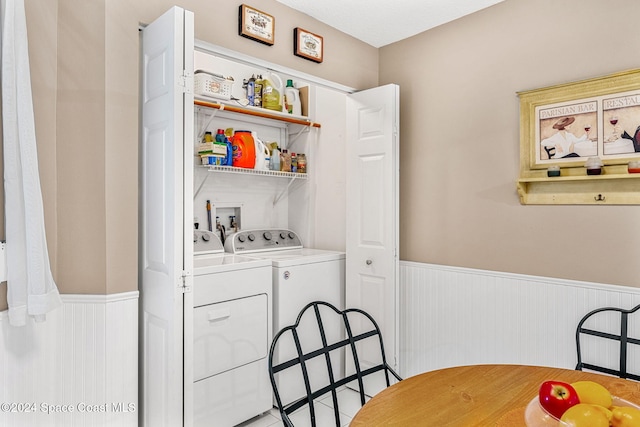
(322, 335)
(612, 325)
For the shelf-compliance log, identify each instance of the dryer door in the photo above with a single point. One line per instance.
(229, 334)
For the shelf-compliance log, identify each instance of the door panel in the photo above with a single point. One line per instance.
(230, 334)
(372, 211)
(372, 232)
(163, 238)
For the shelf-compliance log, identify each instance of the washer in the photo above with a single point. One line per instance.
(300, 275)
(232, 328)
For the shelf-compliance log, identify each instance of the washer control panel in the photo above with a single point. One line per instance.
(206, 242)
(262, 241)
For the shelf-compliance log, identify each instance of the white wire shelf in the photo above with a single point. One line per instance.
(245, 171)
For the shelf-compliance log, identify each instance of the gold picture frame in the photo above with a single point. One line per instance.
(308, 45)
(568, 128)
(596, 117)
(256, 25)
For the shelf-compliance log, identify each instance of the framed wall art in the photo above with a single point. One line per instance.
(256, 25)
(308, 45)
(580, 142)
(566, 124)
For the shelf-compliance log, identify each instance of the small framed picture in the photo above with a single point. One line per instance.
(308, 45)
(256, 25)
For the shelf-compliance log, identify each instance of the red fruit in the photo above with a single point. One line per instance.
(556, 397)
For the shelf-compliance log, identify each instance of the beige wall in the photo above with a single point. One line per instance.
(84, 67)
(460, 139)
(459, 130)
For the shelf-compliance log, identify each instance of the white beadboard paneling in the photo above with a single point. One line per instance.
(457, 316)
(81, 364)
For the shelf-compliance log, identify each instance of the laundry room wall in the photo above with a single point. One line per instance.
(85, 73)
(459, 151)
(85, 68)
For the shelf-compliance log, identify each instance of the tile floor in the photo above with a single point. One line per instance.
(348, 402)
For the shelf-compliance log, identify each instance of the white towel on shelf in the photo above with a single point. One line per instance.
(31, 290)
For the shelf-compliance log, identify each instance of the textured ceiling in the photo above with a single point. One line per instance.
(381, 22)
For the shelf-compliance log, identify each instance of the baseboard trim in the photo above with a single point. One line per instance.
(89, 299)
(525, 277)
(99, 299)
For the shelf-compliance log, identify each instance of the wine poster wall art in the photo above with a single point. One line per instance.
(566, 124)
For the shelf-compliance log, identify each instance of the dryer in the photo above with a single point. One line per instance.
(299, 276)
(232, 328)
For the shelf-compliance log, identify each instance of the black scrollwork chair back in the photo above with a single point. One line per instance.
(608, 341)
(306, 363)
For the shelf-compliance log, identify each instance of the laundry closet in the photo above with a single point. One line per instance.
(209, 303)
(256, 197)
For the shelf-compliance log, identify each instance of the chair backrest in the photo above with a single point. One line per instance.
(306, 360)
(610, 330)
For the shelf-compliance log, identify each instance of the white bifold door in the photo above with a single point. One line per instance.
(372, 216)
(166, 249)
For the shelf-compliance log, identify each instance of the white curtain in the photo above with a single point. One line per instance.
(31, 290)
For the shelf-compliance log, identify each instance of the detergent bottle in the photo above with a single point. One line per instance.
(292, 99)
(275, 159)
(272, 92)
(244, 149)
(229, 157)
(250, 86)
(221, 148)
(262, 154)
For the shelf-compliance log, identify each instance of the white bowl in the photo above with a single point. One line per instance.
(536, 416)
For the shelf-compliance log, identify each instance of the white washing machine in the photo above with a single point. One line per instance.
(232, 328)
(300, 275)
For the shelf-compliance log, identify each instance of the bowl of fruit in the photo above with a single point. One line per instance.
(579, 404)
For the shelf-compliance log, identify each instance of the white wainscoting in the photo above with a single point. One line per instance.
(81, 364)
(458, 316)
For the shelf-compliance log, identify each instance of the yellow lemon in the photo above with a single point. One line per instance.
(624, 416)
(585, 415)
(606, 411)
(593, 393)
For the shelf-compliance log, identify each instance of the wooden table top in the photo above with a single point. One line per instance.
(478, 395)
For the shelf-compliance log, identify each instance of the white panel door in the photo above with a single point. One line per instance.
(166, 251)
(372, 212)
